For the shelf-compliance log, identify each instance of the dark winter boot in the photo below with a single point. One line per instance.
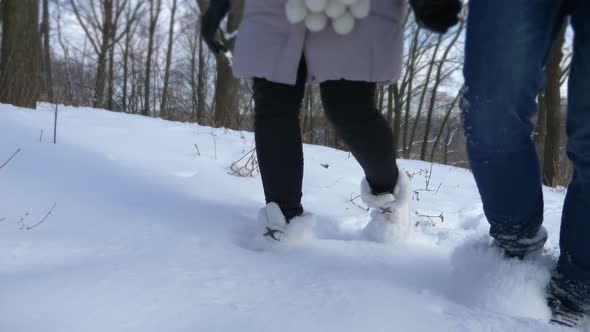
(522, 248)
(564, 311)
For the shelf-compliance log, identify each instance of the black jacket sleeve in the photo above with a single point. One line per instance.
(437, 15)
(210, 22)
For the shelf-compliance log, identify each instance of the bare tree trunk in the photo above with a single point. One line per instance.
(201, 83)
(194, 44)
(130, 25)
(541, 130)
(447, 143)
(156, 69)
(397, 108)
(423, 96)
(69, 95)
(102, 55)
(552, 101)
(411, 72)
(134, 83)
(305, 120)
(20, 60)
(389, 116)
(443, 125)
(391, 99)
(111, 86)
(48, 79)
(126, 68)
(308, 121)
(226, 96)
(226, 85)
(154, 15)
(164, 105)
(380, 98)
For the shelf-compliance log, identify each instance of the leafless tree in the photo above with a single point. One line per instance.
(129, 31)
(155, 7)
(163, 105)
(437, 82)
(99, 26)
(47, 75)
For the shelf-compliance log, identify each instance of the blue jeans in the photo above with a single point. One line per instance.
(507, 43)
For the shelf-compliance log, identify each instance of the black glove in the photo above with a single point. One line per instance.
(210, 24)
(437, 15)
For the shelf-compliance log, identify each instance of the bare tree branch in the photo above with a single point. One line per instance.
(9, 159)
(44, 218)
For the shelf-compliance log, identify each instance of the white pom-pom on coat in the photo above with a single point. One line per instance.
(344, 24)
(316, 22)
(316, 6)
(361, 9)
(296, 11)
(335, 8)
(317, 14)
(330, 56)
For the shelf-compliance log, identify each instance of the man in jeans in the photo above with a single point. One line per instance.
(506, 46)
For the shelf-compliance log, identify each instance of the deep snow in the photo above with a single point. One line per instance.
(148, 235)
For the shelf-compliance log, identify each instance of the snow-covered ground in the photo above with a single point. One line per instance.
(149, 234)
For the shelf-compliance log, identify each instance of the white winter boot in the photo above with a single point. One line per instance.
(390, 213)
(276, 229)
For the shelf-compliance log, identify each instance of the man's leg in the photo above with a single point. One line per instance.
(573, 271)
(278, 141)
(507, 43)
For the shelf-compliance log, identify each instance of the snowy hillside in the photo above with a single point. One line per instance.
(150, 233)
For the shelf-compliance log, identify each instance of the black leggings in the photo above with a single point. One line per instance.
(350, 107)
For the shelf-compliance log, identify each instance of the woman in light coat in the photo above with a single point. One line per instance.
(345, 46)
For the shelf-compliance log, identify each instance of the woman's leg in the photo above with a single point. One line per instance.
(350, 106)
(278, 141)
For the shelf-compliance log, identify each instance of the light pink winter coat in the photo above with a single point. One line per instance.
(270, 47)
